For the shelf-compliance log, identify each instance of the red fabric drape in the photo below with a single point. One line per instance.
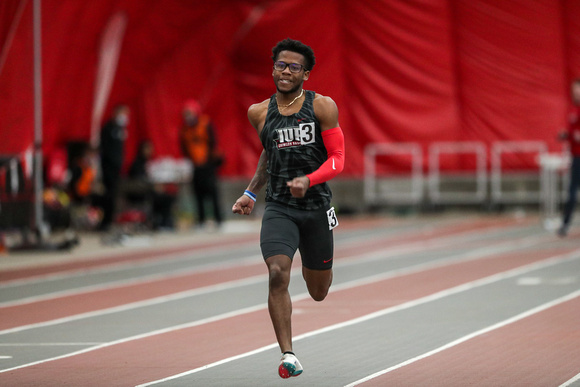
(512, 82)
(400, 71)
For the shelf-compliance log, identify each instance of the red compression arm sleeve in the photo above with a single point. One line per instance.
(334, 143)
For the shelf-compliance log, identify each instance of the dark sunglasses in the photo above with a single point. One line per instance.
(294, 67)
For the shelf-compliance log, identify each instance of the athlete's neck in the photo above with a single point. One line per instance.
(287, 98)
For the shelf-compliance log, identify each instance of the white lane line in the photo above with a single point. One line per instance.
(569, 382)
(497, 277)
(162, 259)
(139, 304)
(474, 253)
(545, 263)
(465, 338)
(146, 335)
(371, 256)
(575, 255)
(159, 259)
(471, 255)
(46, 344)
(176, 273)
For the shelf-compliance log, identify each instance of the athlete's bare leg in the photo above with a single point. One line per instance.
(279, 302)
(318, 282)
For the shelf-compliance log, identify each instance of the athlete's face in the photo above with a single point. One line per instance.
(286, 81)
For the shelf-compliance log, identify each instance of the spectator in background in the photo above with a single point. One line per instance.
(159, 195)
(83, 174)
(572, 135)
(113, 136)
(87, 202)
(198, 143)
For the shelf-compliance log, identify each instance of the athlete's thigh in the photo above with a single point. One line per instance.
(279, 234)
(316, 241)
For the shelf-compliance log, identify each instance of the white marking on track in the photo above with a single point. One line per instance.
(463, 339)
(404, 249)
(224, 265)
(106, 267)
(433, 297)
(359, 282)
(45, 344)
(529, 281)
(535, 281)
(144, 303)
(569, 382)
(463, 257)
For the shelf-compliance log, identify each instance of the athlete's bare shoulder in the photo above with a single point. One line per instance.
(326, 111)
(257, 114)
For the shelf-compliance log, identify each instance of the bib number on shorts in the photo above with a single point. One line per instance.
(332, 219)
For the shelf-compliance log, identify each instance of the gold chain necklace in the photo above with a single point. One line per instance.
(284, 107)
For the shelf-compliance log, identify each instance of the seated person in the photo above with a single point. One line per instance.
(83, 174)
(143, 190)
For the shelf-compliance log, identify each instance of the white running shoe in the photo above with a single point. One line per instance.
(289, 366)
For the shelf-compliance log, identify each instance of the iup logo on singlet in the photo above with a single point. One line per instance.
(295, 136)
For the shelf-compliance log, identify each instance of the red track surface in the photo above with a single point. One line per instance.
(135, 362)
(493, 357)
(536, 351)
(59, 307)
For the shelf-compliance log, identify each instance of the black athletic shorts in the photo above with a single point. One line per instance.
(286, 229)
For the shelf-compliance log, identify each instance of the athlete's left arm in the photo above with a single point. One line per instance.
(327, 113)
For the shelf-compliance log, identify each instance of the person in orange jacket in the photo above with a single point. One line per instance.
(198, 143)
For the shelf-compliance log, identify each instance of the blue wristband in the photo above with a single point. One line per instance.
(250, 194)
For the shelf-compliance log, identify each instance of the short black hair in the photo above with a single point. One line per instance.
(295, 46)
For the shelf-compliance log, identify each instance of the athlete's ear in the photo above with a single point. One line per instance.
(306, 75)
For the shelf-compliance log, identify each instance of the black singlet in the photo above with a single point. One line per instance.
(294, 148)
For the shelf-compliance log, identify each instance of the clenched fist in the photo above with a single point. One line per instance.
(299, 186)
(243, 206)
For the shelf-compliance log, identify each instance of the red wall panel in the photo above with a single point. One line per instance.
(400, 71)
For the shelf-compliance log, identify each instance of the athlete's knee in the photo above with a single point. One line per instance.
(277, 277)
(318, 294)
(318, 282)
(279, 274)
(318, 290)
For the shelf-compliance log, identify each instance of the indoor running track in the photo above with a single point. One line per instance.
(465, 300)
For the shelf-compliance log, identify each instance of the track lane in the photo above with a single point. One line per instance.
(124, 256)
(351, 231)
(338, 353)
(541, 349)
(169, 348)
(113, 296)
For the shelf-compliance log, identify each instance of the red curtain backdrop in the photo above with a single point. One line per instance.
(400, 71)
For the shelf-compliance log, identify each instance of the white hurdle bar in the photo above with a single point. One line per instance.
(370, 181)
(498, 149)
(457, 196)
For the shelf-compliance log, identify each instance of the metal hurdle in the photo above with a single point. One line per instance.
(552, 164)
(457, 196)
(498, 194)
(376, 192)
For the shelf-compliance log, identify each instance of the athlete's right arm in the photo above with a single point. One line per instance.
(244, 205)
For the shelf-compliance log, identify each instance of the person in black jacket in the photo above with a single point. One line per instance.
(113, 136)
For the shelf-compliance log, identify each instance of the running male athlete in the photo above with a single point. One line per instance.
(303, 148)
